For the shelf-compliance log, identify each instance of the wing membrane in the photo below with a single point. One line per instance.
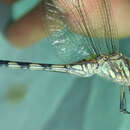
(81, 28)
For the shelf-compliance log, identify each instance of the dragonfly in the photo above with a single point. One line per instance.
(95, 33)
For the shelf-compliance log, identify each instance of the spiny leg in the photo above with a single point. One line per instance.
(129, 88)
(123, 105)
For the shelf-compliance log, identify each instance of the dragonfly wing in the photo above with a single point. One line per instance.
(81, 28)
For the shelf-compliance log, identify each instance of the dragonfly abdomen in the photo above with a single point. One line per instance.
(33, 66)
(85, 69)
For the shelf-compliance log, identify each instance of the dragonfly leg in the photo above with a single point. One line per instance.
(123, 105)
(129, 88)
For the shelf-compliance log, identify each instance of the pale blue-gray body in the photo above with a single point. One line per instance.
(115, 67)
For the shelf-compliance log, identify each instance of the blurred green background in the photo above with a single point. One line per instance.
(55, 101)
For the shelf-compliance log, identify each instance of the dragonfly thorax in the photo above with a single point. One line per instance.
(114, 67)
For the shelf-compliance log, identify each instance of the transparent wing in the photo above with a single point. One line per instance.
(81, 28)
